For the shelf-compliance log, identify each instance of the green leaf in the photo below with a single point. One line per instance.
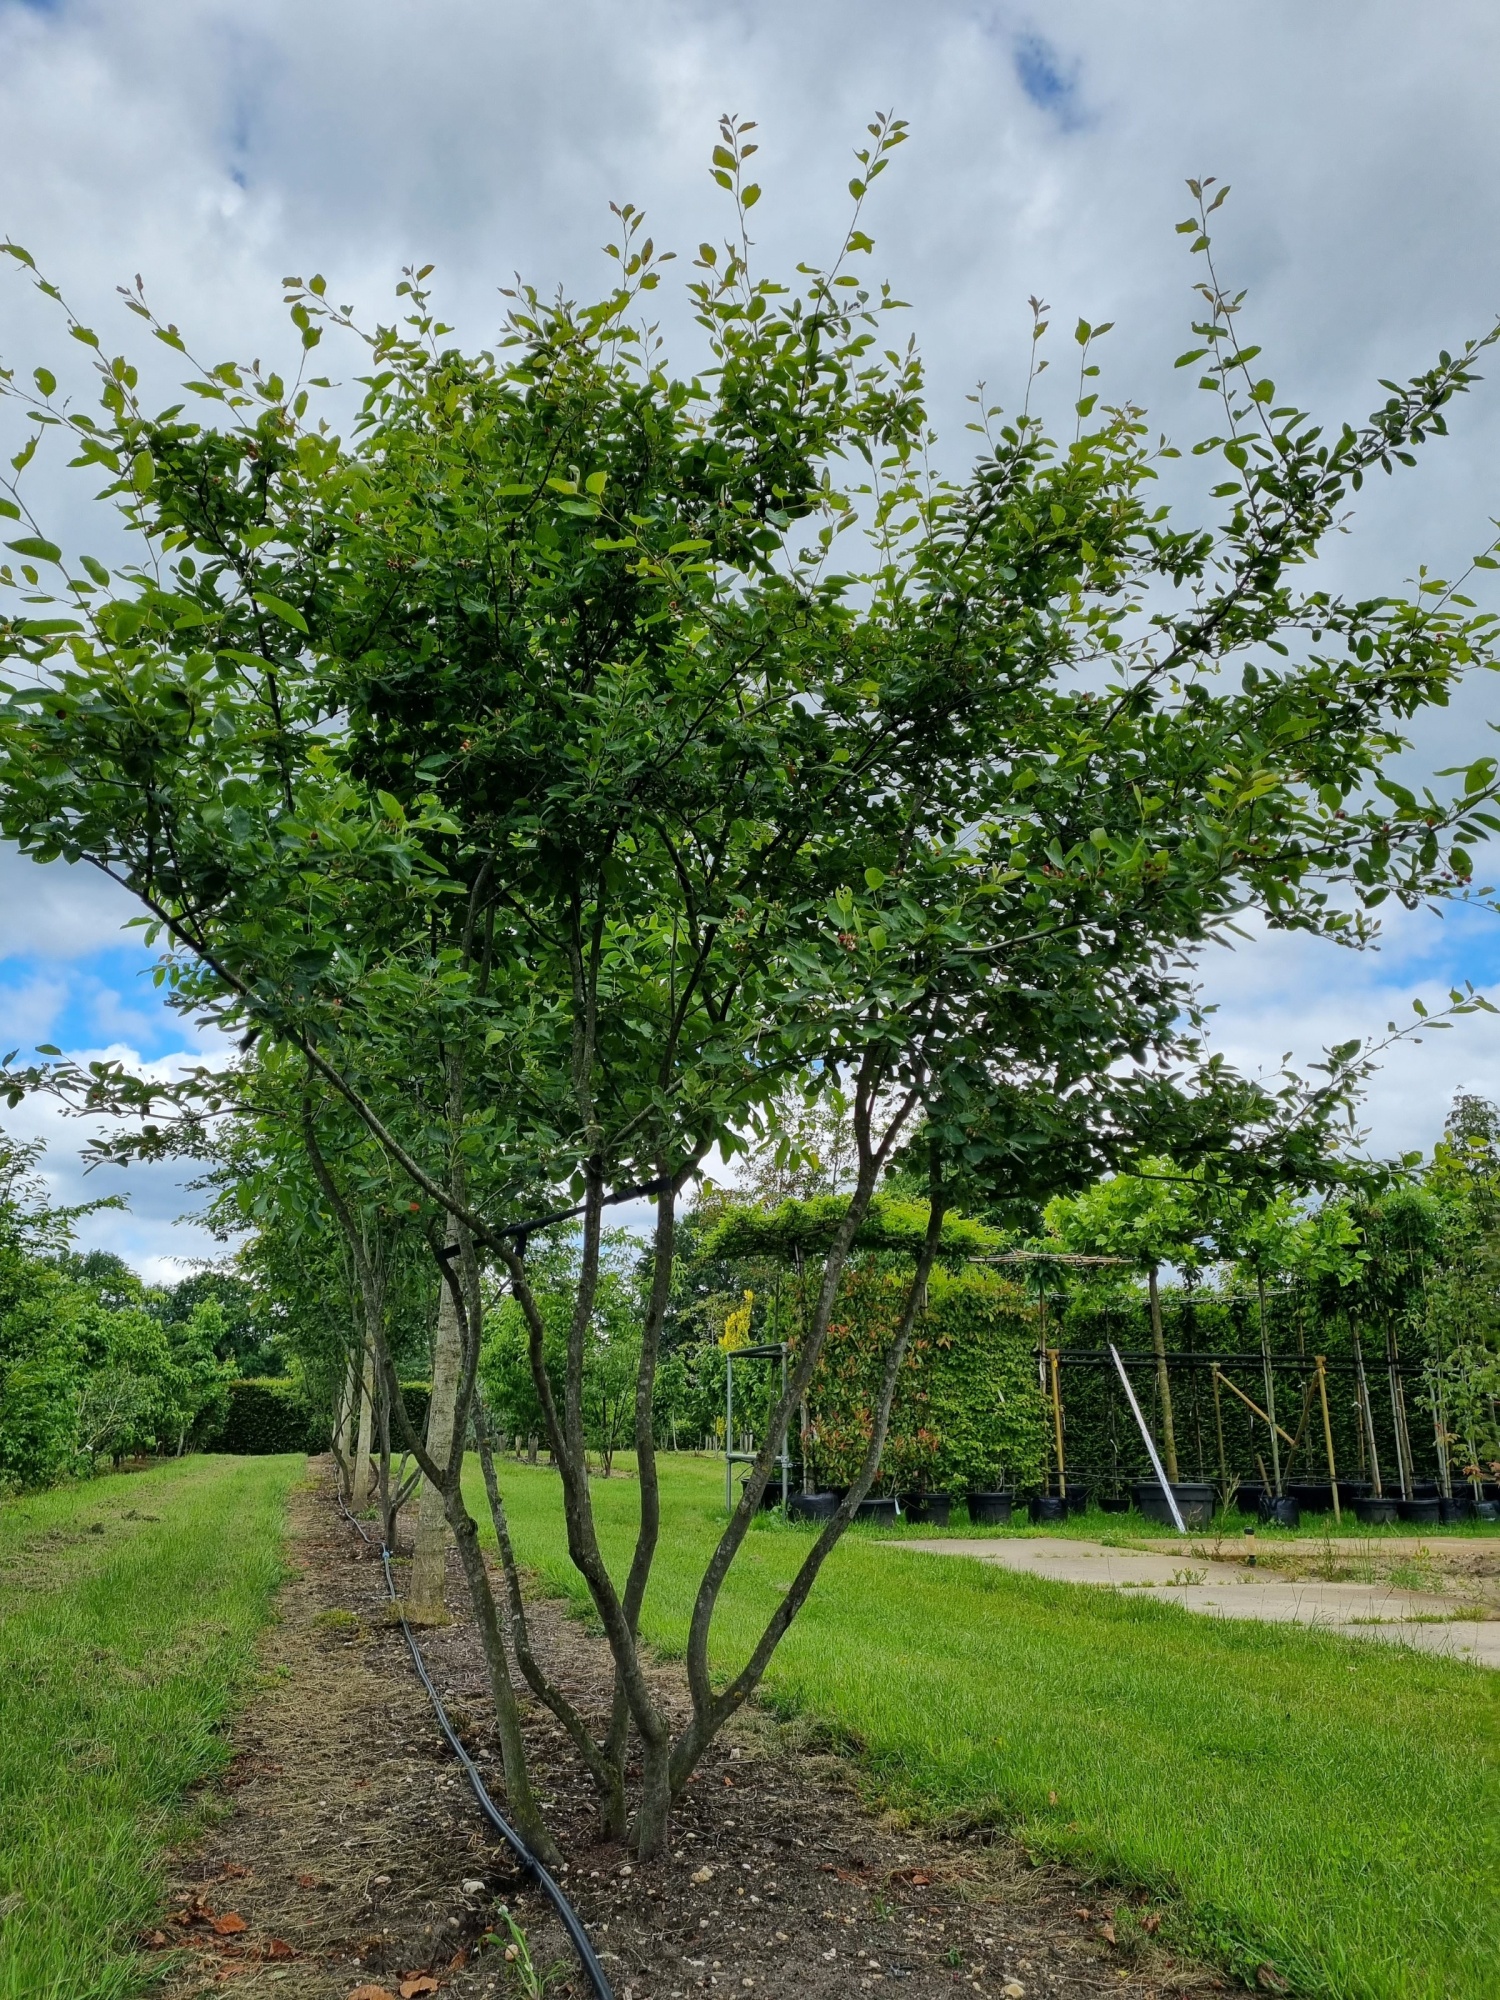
(33, 545)
(45, 380)
(287, 613)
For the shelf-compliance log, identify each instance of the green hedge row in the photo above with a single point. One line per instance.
(968, 1410)
(269, 1413)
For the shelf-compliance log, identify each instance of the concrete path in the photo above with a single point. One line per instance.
(1231, 1590)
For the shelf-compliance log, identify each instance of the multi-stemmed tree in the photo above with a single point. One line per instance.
(579, 754)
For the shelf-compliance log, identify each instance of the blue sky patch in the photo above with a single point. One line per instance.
(1051, 84)
(94, 1002)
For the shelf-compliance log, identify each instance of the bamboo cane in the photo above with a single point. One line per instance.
(1219, 1430)
(1362, 1391)
(1249, 1405)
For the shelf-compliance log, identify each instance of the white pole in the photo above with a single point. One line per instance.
(1150, 1447)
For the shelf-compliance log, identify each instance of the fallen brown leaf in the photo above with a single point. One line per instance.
(154, 1940)
(232, 1868)
(372, 1993)
(460, 1958)
(423, 1982)
(1151, 1922)
(229, 1923)
(279, 1948)
(1107, 1932)
(308, 1882)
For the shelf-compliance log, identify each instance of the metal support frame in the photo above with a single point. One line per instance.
(774, 1350)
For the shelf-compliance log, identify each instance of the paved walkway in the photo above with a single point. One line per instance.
(1231, 1590)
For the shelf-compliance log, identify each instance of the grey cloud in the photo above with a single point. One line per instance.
(215, 147)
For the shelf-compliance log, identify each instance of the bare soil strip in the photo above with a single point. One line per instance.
(350, 1857)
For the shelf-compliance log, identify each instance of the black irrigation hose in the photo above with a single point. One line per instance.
(572, 1923)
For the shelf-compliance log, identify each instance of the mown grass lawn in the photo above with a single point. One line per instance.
(128, 1612)
(1329, 1807)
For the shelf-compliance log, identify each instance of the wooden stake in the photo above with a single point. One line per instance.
(1062, 1477)
(1320, 1363)
(1164, 1383)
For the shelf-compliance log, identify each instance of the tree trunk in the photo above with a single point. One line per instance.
(426, 1602)
(519, 1798)
(359, 1484)
(1163, 1380)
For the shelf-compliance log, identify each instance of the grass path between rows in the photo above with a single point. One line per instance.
(129, 1608)
(1328, 1807)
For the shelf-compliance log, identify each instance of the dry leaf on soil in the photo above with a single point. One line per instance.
(372, 1993)
(420, 1982)
(229, 1923)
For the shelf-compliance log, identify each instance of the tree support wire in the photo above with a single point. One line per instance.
(570, 1918)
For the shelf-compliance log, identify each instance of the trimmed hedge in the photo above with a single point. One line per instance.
(270, 1413)
(968, 1409)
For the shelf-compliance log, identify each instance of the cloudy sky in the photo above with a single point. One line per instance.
(215, 145)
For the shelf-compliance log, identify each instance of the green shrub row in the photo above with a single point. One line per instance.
(270, 1413)
(968, 1410)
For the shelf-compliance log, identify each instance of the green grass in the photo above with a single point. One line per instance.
(121, 1652)
(1329, 1806)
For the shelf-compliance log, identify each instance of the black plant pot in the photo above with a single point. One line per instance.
(991, 1510)
(812, 1506)
(882, 1509)
(1424, 1513)
(1352, 1491)
(772, 1495)
(1114, 1503)
(926, 1509)
(1426, 1489)
(1045, 1507)
(1313, 1496)
(1194, 1497)
(1078, 1499)
(1459, 1508)
(1280, 1513)
(1248, 1496)
(1487, 1510)
(1377, 1512)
